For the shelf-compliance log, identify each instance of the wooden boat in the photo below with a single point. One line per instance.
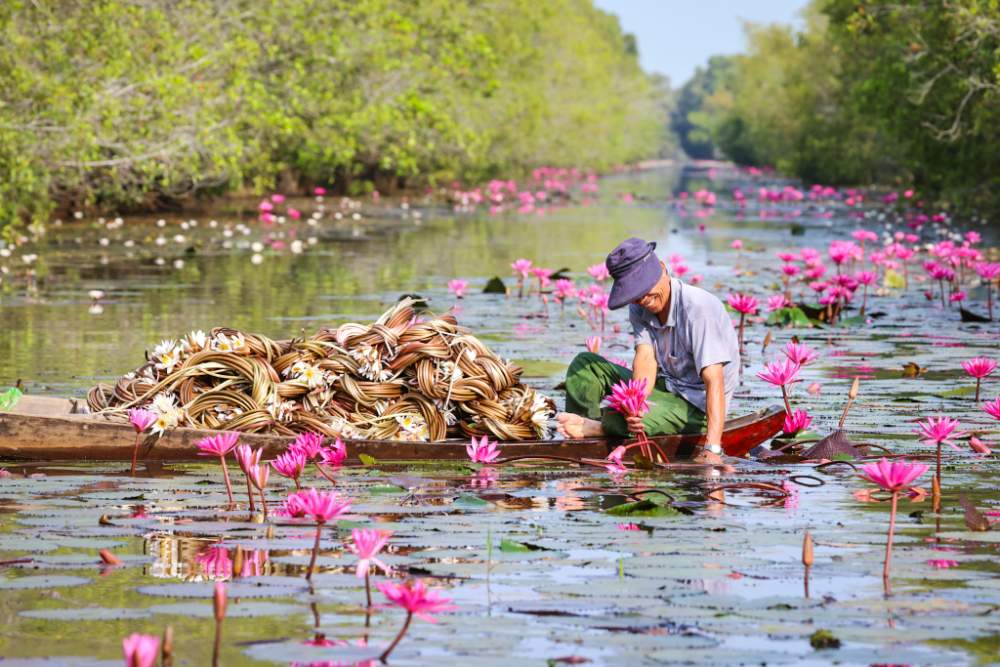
(53, 429)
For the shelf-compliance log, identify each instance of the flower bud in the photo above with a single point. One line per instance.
(807, 550)
(219, 601)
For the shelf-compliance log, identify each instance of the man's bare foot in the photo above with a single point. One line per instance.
(575, 426)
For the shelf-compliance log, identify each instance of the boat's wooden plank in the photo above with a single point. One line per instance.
(34, 432)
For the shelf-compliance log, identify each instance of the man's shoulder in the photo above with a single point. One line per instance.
(701, 301)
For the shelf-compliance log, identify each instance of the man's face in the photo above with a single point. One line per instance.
(655, 299)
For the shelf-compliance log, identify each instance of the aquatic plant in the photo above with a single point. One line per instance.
(366, 544)
(259, 474)
(414, 597)
(795, 422)
(979, 368)
(140, 650)
(220, 445)
(482, 451)
(140, 419)
(894, 477)
(781, 374)
(594, 344)
(248, 458)
(290, 465)
(992, 408)
(989, 272)
(744, 305)
(458, 287)
(522, 268)
(322, 507)
(938, 430)
(629, 398)
(800, 353)
(308, 443)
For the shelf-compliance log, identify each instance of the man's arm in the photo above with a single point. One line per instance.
(715, 398)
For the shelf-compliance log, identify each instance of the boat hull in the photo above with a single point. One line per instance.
(48, 429)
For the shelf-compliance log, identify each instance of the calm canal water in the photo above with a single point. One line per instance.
(539, 569)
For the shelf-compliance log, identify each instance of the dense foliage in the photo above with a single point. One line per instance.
(874, 91)
(118, 103)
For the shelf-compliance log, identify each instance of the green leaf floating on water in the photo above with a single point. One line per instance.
(644, 507)
(512, 547)
(791, 316)
(385, 488)
(9, 398)
(367, 459)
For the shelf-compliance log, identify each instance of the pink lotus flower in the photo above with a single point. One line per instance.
(992, 408)
(335, 454)
(458, 287)
(629, 398)
(259, 475)
(938, 430)
(482, 451)
(319, 192)
(795, 422)
(215, 562)
(247, 457)
(321, 506)
(778, 302)
(218, 445)
(366, 545)
(594, 344)
(414, 596)
(942, 564)
(737, 244)
(957, 297)
(141, 650)
(522, 266)
(278, 199)
(979, 367)
(294, 213)
(308, 444)
(599, 272)
(613, 463)
(800, 353)
(628, 526)
(780, 373)
(893, 476)
(141, 420)
(742, 303)
(290, 464)
(815, 388)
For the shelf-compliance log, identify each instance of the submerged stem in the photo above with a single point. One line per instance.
(135, 453)
(888, 542)
(250, 495)
(368, 594)
(312, 561)
(385, 655)
(225, 476)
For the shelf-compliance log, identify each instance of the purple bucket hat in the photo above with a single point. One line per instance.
(635, 269)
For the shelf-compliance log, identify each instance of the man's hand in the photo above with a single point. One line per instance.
(635, 424)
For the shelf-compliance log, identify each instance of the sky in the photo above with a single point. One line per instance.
(675, 36)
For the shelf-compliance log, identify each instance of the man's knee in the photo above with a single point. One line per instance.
(584, 360)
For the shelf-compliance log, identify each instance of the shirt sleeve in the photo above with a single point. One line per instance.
(712, 338)
(639, 329)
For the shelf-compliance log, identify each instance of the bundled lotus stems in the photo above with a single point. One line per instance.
(401, 378)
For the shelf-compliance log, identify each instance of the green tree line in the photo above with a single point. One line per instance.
(139, 104)
(866, 92)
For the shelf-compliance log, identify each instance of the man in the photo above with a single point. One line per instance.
(685, 349)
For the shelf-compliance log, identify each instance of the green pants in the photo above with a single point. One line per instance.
(589, 380)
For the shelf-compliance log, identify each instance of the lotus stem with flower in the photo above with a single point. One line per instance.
(894, 477)
(781, 374)
(141, 420)
(414, 597)
(290, 464)
(482, 450)
(140, 650)
(744, 305)
(219, 602)
(366, 545)
(259, 474)
(629, 398)
(989, 272)
(938, 430)
(979, 368)
(322, 507)
(247, 457)
(220, 445)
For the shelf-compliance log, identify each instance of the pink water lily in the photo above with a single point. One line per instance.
(220, 445)
(629, 398)
(248, 458)
(894, 477)
(309, 444)
(141, 650)
(522, 268)
(594, 344)
(979, 447)
(290, 464)
(778, 302)
(800, 353)
(320, 506)
(992, 408)
(781, 374)
(599, 272)
(366, 545)
(334, 455)
(795, 422)
(979, 368)
(141, 420)
(458, 287)
(938, 430)
(258, 474)
(742, 303)
(417, 600)
(942, 564)
(482, 451)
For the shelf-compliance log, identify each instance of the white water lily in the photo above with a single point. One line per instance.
(224, 343)
(168, 359)
(197, 340)
(311, 375)
(164, 347)
(295, 369)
